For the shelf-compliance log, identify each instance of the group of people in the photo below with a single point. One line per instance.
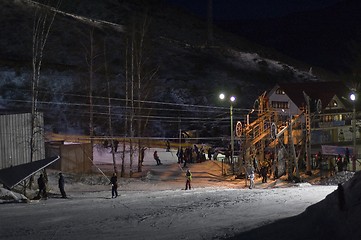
(112, 144)
(42, 186)
(182, 157)
(324, 163)
(42, 182)
(265, 168)
(342, 162)
(190, 155)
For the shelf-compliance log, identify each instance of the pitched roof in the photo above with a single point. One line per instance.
(324, 91)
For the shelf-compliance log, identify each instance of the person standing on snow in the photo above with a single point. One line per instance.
(180, 155)
(142, 154)
(114, 182)
(346, 159)
(61, 185)
(167, 145)
(251, 179)
(339, 163)
(188, 179)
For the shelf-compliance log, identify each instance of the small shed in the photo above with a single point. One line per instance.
(74, 157)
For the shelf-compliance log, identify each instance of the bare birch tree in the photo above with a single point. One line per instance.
(110, 110)
(43, 21)
(139, 77)
(122, 172)
(92, 53)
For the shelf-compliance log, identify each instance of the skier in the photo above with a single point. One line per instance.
(189, 179)
(156, 158)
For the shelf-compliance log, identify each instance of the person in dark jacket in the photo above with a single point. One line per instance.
(167, 146)
(114, 182)
(264, 170)
(142, 154)
(339, 163)
(61, 185)
(42, 186)
(180, 155)
(156, 158)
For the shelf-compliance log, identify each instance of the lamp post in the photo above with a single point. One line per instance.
(353, 99)
(231, 99)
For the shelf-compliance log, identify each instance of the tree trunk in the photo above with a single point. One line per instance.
(41, 28)
(110, 112)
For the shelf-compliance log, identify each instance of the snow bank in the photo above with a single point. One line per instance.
(335, 217)
(7, 196)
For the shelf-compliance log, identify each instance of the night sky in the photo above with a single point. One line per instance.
(251, 9)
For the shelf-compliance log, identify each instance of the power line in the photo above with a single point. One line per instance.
(135, 100)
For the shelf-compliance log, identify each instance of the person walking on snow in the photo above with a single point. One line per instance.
(42, 187)
(156, 158)
(114, 182)
(189, 179)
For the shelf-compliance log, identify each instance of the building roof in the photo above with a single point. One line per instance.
(324, 91)
(12, 176)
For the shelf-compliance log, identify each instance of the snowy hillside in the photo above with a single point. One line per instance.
(176, 65)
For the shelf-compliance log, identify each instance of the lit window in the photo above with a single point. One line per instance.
(280, 105)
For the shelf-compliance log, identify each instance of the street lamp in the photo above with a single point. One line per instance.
(353, 99)
(231, 99)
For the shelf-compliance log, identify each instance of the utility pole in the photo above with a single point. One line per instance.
(308, 134)
(180, 135)
(353, 99)
(232, 137)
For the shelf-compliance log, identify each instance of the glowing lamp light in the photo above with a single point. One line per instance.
(222, 96)
(353, 97)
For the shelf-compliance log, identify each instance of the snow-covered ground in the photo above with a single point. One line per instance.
(156, 207)
(202, 213)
